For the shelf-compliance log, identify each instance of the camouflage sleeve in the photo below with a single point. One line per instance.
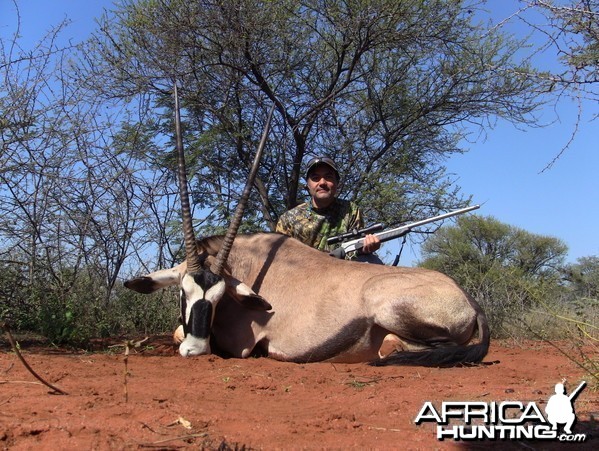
(283, 225)
(315, 229)
(354, 221)
(355, 218)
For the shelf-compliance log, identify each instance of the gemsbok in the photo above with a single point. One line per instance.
(270, 295)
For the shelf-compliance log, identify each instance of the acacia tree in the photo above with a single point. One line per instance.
(565, 33)
(571, 31)
(506, 269)
(583, 277)
(384, 87)
(70, 205)
(34, 170)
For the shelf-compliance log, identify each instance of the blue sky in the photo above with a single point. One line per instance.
(504, 172)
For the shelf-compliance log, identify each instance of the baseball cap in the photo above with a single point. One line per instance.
(321, 160)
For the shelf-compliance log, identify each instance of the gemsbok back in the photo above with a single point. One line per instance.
(270, 295)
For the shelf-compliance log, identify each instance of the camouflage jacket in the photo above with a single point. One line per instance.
(313, 226)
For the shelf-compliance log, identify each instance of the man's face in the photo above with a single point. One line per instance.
(322, 185)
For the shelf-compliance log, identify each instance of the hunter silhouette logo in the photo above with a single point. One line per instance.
(560, 407)
(505, 420)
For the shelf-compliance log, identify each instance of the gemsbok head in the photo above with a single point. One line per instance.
(203, 279)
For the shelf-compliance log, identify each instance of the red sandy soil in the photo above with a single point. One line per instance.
(208, 402)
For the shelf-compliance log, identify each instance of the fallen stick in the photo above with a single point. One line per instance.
(15, 348)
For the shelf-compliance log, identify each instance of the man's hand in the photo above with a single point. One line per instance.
(371, 244)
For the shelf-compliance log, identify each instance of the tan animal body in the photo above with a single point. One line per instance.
(268, 294)
(326, 309)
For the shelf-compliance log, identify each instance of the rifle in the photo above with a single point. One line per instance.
(386, 235)
(574, 394)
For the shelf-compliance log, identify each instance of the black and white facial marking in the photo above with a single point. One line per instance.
(200, 292)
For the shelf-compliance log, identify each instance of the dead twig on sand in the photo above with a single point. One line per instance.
(15, 348)
(161, 443)
(128, 344)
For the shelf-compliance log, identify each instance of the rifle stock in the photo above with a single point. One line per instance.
(386, 235)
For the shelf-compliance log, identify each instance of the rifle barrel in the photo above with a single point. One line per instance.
(575, 392)
(387, 235)
(443, 216)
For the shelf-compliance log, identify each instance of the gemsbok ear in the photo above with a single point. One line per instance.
(244, 295)
(157, 280)
(254, 302)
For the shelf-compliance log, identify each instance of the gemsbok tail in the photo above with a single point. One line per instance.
(444, 356)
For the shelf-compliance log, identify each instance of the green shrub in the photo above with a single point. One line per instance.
(73, 315)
